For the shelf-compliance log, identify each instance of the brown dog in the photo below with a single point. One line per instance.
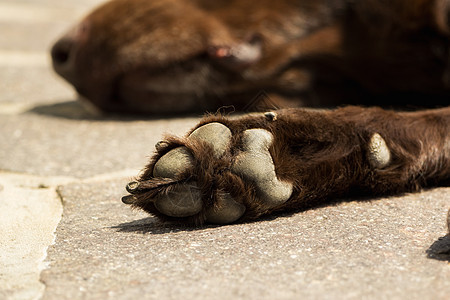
(177, 56)
(174, 56)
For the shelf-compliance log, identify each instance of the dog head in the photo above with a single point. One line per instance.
(162, 56)
(177, 56)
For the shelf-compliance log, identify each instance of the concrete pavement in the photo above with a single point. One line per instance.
(64, 233)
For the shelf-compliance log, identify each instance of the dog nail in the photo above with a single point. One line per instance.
(448, 221)
(129, 199)
(132, 187)
(161, 145)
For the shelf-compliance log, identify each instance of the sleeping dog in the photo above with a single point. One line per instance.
(177, 56)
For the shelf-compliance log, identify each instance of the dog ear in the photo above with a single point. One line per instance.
(238, 56)
(441, 15)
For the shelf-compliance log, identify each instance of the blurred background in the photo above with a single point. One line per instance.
(27, 30)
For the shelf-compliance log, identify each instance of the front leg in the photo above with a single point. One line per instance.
(235, 169)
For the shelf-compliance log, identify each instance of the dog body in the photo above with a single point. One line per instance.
(177, 56)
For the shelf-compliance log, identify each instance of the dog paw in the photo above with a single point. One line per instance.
(256, 165)
(197, 179)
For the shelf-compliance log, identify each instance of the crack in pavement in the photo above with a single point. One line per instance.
(32, 208)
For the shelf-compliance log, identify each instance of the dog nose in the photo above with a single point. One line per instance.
(64, 51)
(61, 51)
(62, 56)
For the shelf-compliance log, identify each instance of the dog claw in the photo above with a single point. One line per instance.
(228, 211)
(161, 145)
(181, 201)
(132, 187)
(129, 199)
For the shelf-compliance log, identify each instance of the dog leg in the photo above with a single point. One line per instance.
(235, 169)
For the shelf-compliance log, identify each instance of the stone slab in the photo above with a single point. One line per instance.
(351, 250)
(104, 250)
(28, 28)
(30, 212)
(58, 146)
(24, 87)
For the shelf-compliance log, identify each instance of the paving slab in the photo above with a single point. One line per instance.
(24, 87)
(31, 210)
(351, 250)
(54, 152)
(51, 146)
(30, 205)
(43, 132)
(28, 28)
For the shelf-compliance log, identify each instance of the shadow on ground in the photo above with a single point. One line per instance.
(70, 109)
(76, 110)
(151, 225)
(440, 249)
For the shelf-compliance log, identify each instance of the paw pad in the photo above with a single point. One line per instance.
(379, 155)
(217, 135)
(184, 200)
(174, 162)
(175, 196)
(227, 211)
(178, 160)
(255, 164)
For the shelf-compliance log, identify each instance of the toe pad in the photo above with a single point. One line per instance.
(255, 164)
(182, 201)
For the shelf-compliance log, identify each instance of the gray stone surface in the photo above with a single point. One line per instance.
(45, 145)
(353, 250)
(30, 212)
(54, 154)
(27, 30)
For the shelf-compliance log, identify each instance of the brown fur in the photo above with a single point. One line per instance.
(176, 56)
(324, 155)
